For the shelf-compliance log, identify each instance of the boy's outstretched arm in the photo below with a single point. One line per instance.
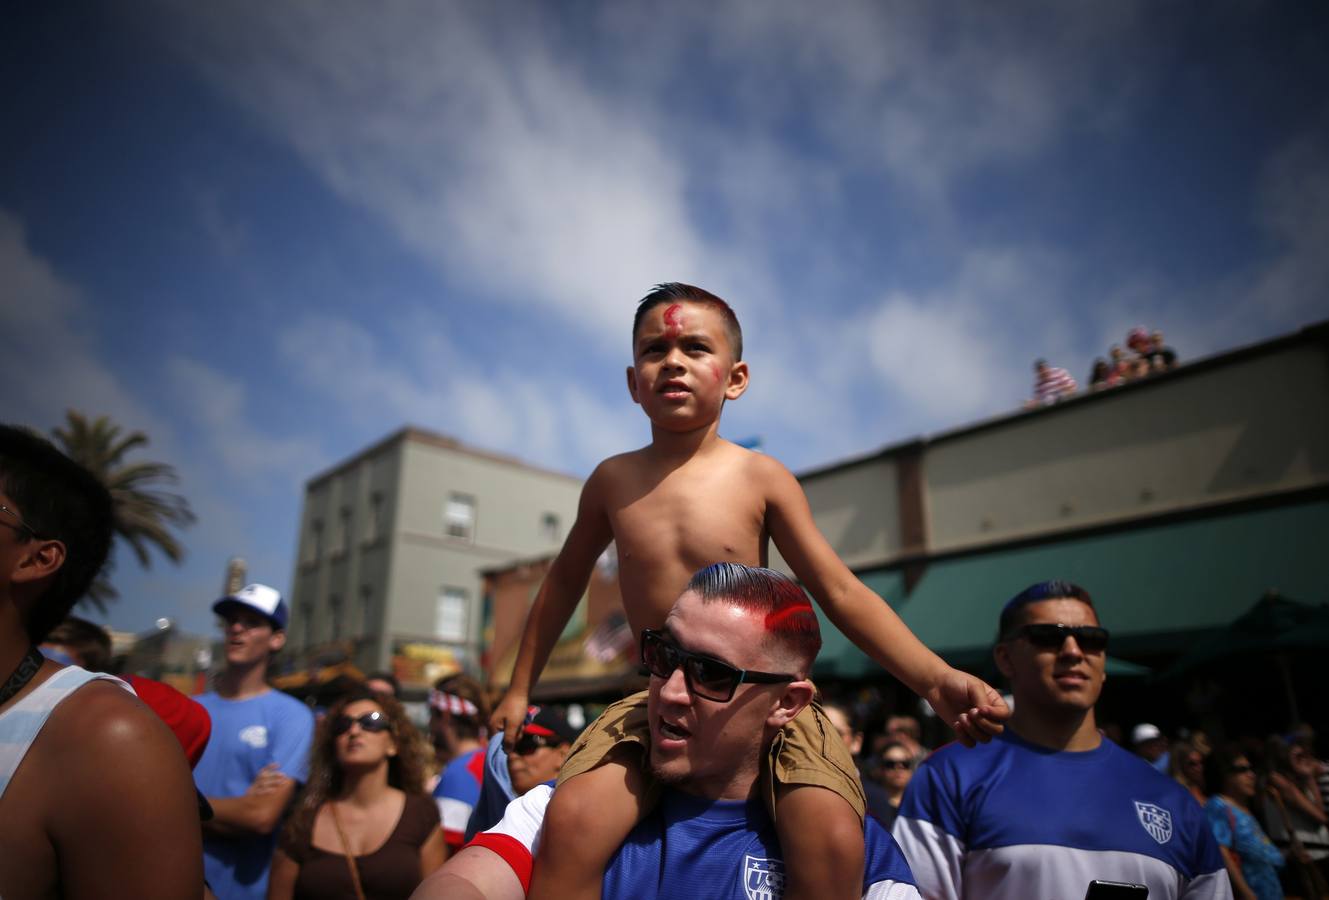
(966, 703)
(555, 603)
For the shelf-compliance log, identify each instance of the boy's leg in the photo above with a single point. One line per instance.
(821, 839)
(588, 819)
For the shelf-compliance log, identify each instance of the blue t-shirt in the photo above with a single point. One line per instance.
(1010, 820)
(246, 736)
(456, 793)
(690, 848)
(1260, 859)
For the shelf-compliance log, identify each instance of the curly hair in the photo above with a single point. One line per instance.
(406, 770)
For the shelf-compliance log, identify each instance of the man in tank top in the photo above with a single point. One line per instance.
(95, 793)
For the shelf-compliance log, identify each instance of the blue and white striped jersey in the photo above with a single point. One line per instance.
(1010, 820)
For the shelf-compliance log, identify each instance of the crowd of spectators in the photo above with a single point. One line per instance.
(1145, 354)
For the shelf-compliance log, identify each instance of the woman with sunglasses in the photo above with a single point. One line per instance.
(364, 827)
(1251, 858)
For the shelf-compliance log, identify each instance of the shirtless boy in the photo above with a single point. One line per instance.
(95, 796)
(684, 501)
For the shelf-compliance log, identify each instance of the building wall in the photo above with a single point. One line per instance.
(1228, 432)
(386, 581)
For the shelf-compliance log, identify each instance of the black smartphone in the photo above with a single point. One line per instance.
(1115, 890)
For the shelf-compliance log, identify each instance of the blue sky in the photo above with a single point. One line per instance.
(269, 234)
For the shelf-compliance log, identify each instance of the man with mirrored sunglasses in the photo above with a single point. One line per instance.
(1051, 805)
(728, 671)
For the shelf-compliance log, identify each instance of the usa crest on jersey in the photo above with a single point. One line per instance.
(1156, 820)
(763, 879)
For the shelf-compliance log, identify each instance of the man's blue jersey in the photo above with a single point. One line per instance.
(690, 848)
(1010, 820)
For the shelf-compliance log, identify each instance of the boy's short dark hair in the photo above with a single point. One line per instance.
(673, 291)
(1012, 614)
(790, 620)
(89, 643)
(59, 500)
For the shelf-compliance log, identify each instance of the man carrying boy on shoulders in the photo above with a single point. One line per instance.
(684, 501)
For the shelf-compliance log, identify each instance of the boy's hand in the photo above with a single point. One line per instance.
(509, 717)
(970, 706)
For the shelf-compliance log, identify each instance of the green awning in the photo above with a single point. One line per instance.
(1155, 587)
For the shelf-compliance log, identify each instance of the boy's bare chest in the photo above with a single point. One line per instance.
(690, 523)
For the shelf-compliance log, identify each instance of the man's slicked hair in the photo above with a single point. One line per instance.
(673, 292)
(59, 500)
(1012, 614)
(789, 618)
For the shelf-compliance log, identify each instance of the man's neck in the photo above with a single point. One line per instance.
(1056, 730)
(243, 682)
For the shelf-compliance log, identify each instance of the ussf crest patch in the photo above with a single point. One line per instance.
(763, 879)
(1156, 820)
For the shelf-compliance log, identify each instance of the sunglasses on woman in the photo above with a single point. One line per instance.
(707, 677)
(899, 764)
(370, 721)
(1047, 636)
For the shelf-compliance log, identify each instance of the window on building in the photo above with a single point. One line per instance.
(342, 535)
(459, 516)
(450, 615)
(366, 610)
(334, 616)
(314, 545)
(549, 527)
(374, 520)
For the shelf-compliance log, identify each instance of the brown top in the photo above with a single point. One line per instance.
(391, 871)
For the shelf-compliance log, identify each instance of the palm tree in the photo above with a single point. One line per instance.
(144, 515)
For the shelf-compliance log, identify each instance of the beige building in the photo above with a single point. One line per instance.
(392, 543)
(1178, 501)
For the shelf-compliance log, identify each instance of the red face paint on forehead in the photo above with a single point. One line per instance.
(673, 320)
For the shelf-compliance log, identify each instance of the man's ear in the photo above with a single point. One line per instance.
(277, 641)
(632, 384)
(738, 381)
(796, 695)
(39, 559)
(1001, 655)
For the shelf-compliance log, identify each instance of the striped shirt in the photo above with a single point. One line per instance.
(22, 722)
(1053, 382)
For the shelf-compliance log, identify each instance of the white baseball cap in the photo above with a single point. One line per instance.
(260, 598)
(1145, 732)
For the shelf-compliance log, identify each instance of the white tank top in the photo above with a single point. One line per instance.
(21, 723)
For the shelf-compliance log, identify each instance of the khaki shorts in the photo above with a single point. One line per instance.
(806, 751)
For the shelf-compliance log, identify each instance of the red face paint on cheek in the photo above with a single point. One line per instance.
(715, 371)
(673, 320)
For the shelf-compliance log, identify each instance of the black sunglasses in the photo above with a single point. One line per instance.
(1242, 769)
(528, 743)
(896, 764)
(18, 524)
(1047, 636)
(707, 677)
(370, 721)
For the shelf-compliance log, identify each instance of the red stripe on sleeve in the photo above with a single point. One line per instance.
(512, 851)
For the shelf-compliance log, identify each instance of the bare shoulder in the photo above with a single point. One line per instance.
(767, 468)
(103, 718)
(616, 471)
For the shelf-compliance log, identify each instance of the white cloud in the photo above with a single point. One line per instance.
(216, 405)
(548, 419)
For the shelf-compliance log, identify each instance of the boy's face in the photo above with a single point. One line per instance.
(683, 367)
